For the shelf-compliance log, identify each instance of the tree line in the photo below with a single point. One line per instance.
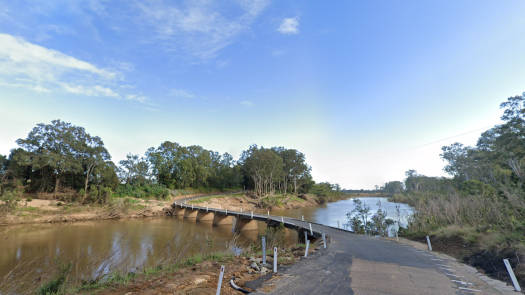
(62, 159)
(483, 202)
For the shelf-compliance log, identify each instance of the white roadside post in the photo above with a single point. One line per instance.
(282, 219)
(306, 248)
(274, 259)
(206, 208)
(512, 276)
(429, 245)
(264, 250)
(252, 214)
(302, 217)
(268, 212)
(226, 211)
(324, 240)
(219, 284)
(311, 231)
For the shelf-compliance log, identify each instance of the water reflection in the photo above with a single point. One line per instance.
(29, 253)
(334, 214)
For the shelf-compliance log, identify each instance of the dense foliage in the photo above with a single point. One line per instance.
(483, 204)
(65, 162)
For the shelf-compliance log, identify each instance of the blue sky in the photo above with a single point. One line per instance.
(366, 89)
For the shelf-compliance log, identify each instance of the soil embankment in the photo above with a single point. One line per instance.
(51, 211)
(244, 202)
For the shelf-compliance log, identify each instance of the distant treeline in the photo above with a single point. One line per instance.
(60, 157)
(483, 204)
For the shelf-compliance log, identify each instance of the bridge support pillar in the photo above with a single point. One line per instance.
(190, 214)
(221, 219)
(179, 212)
(205, 217)
(245, 224)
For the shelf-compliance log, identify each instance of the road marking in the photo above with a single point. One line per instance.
(461, 282)
(468, 289)
(453, 275)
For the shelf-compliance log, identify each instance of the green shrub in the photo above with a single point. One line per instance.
(10, 200)
(56, 285)
(157, 191)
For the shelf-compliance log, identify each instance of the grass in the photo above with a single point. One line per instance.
(119, 279)
(277, 200)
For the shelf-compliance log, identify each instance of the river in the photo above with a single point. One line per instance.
(30, 253)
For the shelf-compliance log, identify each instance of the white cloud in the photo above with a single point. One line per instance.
(34, 67)
(95, 90)
(199, 28)
(17, 51)
(181, 93)
(136, 97)
(289, 26)
(247, 103)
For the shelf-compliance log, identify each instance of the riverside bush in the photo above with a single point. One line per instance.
(157, 191)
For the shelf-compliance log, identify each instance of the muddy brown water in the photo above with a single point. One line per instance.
(31, 254)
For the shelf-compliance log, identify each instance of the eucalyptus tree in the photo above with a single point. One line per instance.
(295, 168)
(134, 169)
(63, 149)
(3, 171)
(264, 167)
(499, 156)
(393, 187)
(165, 162)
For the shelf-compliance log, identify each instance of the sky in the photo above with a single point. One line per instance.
(365, 89)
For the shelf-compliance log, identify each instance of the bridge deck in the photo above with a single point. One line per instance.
(292, 223)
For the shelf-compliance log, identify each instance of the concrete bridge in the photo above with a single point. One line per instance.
(245, 220)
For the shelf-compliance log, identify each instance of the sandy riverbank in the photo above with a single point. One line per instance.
(51, 211)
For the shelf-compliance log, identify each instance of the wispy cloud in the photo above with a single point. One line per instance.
(289, 26)
(247, 103)
(200, 28)
(27, 65)
(181, 93)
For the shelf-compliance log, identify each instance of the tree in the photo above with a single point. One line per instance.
(264, 168)
(295, 168)
(3, 172)
(393, 187)
(92, 153)
(359, 216)
(61, 149)
(53, 145)
(134, 169)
